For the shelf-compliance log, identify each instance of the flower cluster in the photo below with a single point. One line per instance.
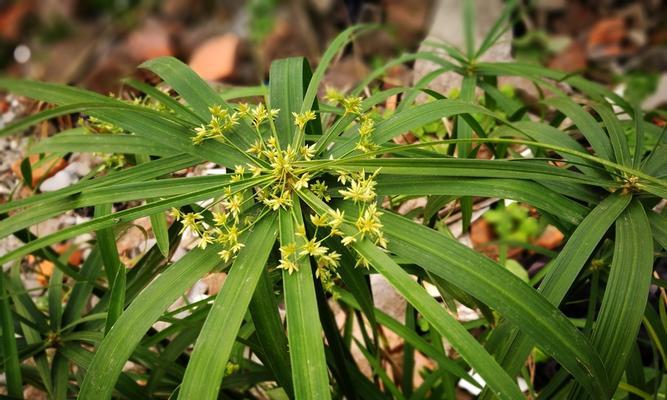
(224, 227)
(353, 106)
(222, 121)
(281, 171)
(327, 260)
(361, 190)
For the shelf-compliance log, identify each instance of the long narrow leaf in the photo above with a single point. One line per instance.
(214, 345)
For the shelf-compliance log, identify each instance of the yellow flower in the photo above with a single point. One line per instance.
(259, 114)
(243, 109)
(361, 261)
(256, 170)
(205, 239)
(233, 205)
(343, 176)
(287, 250)
(369, 222)
(352, 105)
(308, 152)
(275, 202)
(332, 95)
(175, 212)
(220, 218)
(218, 111)
(318, 220)
(272, 142)
(201, 133)
(302, 119)
(300, 231)
(332, 259)
(337, 218)
(381, 241)
(302, 182)
(367, 126)
(360, 190)
(320, 190)
(288, 265)
(191, 220)
(256, 148)
(232, 235)
(348, 240)
(313, 248)
(225, 255)
(236, 247)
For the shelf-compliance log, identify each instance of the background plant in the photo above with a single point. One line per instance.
(322, 197)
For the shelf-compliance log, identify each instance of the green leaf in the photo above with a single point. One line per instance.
(181, 110)
(413, 118)
(413, 339)
(138, 173)
(82, 141)
(33, 324)
(82, 358)
(10, 357)
(586, 124)
(460, 167)
(117, 299)
(564, 270)
(523, 191)
(469, 27)
(463, 130)
(26, 172)
(334, 47)
(503, 386)
(158, 222)
(270, 332)
(547, 134)
(639, 137)
(469, 349)
(500, 26)
(615, 330)
(288, 79)
(130, 328)
(124, 216)
(160, 127)
(199, 94)
(497, 287)
(538, 73)
(55, 293)
(207, 364)
(659, 228)
(619, 142)
(80, 293)
(309, 368)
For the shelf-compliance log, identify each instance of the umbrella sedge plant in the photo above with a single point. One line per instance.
(306, 214)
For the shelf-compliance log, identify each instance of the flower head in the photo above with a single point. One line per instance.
(302, 119)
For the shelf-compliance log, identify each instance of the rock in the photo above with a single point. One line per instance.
(215, 59)
(60, 180)
(68, 176)
(149, 41)
(447, 27)
(658, 98)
